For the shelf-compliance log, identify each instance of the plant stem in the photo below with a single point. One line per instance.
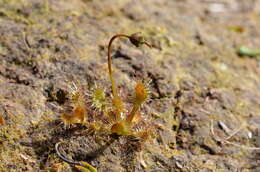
(109, 62)
(132, 113)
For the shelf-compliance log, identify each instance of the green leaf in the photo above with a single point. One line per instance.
(86, 168)
(248, 52)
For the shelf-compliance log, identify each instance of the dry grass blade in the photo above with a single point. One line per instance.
(228, 142)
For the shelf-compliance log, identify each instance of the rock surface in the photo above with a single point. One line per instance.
(202, 91)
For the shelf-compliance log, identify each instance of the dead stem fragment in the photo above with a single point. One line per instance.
(221, 140)
(2, 121)
(63, 157)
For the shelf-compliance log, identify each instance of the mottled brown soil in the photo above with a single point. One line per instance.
(202, 91)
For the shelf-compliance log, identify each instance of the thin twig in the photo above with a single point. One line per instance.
(73, 162)
(235, 132)
(224, 127)
(228, 142)
(63, 157)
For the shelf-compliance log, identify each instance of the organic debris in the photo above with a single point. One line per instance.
(2, 121)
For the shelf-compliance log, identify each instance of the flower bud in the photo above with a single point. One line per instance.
(137, 39)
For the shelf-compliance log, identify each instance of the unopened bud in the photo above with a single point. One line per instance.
(137, 39)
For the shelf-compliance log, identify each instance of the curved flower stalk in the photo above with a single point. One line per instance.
(123, 127)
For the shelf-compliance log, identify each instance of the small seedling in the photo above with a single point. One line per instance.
(79, 112)
(110, 114)
(119, 119)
